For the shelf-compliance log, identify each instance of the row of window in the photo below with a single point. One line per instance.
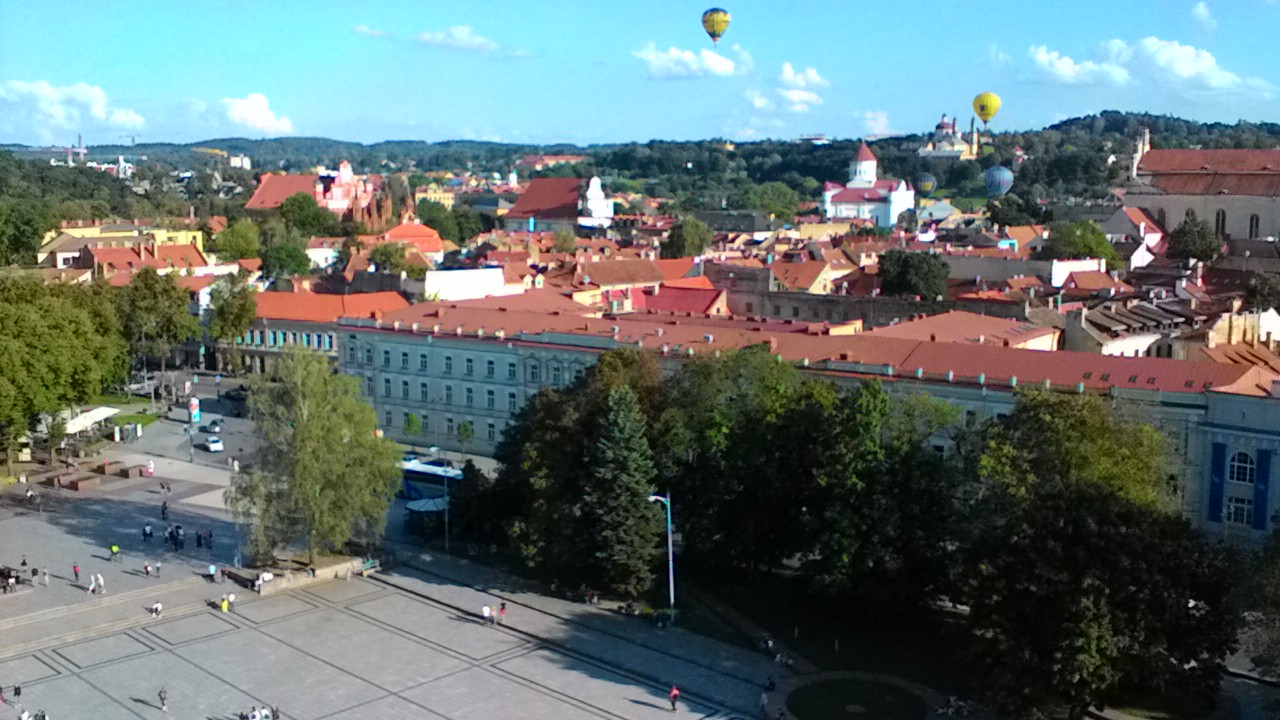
(451, 427)
(424, 394)
(424, 363)
(281, 338)
(1219, 222)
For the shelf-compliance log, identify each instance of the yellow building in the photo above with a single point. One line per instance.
(66, 242)
(435, 193)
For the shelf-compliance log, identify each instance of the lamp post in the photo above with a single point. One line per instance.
(671, 558)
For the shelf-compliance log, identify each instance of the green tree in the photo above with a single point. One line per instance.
(564, 241)
(912, 273)
(389, 258)
(234, 306)
(1138, 599)
(1264, 291)
(321, 475)
(1193, 238)
(1059, 438)
(412, 425)
(777, 199)
(468, 221)
(284, 260)
(437, 216)
(301, 213)
(1075, 240)
(238, 241)
(690, 237)
(622, 525)
(22, 225)
(466, 433)
(156, 315)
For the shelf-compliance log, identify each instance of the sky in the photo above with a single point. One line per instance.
(543, 71)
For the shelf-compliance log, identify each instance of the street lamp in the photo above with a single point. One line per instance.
(671, 558)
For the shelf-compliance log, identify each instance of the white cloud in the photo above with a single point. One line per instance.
(877, 122)
(1203, 16)
(43, 106)
(800, 100)
(1060, 68)
(758, 99)
(368, 31)
(745, 62)
(1187, 63)
(254, 112)
(806, 78)
(676, 63)
(462, 37)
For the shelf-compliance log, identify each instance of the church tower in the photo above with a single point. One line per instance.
(863, 169)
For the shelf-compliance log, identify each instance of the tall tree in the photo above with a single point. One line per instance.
(689, 237)
(234, 308)
(22, 225)
(321, 475)
(239, 241)
(468, 221)
(621, 551)
(1084, 239)
(389, 258)
(777, 199)
(904, 273)
(437, 216)
(285, 260)
(564, 241)
(301, 213)
(1264, 291)
(1193, 238)
(156, 314)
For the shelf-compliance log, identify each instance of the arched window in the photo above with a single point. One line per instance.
(1254, 226)
(1241, 468)
(1220, 223)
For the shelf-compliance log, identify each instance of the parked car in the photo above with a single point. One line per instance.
(213, 444)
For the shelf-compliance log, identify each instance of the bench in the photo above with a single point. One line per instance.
(370, 565)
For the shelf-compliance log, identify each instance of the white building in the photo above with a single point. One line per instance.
(865, 197)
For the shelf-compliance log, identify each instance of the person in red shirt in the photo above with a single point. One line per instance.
(674, 695)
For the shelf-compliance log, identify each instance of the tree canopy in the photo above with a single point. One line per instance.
(156, 315)
(437, 216)
(690, 237)
(301, 213)
(1076, 240)
(234, 308)
(1193, 238)
(922, 274)
(239, 241)
(389, 258)
(285, 259)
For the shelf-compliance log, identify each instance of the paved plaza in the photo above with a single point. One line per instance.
(403, 644)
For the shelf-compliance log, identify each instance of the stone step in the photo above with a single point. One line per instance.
(128, 596)
(97, 631)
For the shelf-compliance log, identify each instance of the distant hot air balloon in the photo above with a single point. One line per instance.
(926, 184)
(986, 106)
(715, 21)
(998, 179)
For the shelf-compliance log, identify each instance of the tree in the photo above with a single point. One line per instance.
(437, 216)
(156, 314)
(1136, 598)
(284, 260)
(321, 475)
(234, 307)
(238, 241)
(389, 258)
(1083, 239)
(1193, 238)
(689, 237)
(301, 213)
(22, 225)
(564, 241)
(468, 222)
(623, 525)
(1075, 439)
(1264, 291)
(777, 199)
(412, 425)
(911, 273)
(466, 433)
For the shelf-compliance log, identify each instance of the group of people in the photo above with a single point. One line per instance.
(490, 615)
(266, 713)
(12, 578)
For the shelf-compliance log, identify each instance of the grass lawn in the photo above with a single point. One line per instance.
(1170, 704)
(855, 700)
(116, 399)
(925, 646)
(143, 418)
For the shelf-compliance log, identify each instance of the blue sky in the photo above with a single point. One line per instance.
(542, 71)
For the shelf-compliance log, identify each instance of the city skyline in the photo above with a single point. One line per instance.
(538, 72)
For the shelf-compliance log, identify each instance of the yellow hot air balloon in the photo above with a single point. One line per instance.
(715, 21)
(986, 106)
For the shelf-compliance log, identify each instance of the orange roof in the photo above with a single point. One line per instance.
(685, 300)
(798, 275)
(865, 154)
(193, 283)
(423, 237)
(322, 308)
(958, 326)
(1095, 280)
(273, 190)
(699, 282)
(675, 268)
(1138, 216)
(250, 264)
(554, 198)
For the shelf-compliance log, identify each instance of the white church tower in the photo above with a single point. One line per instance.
(863, 169)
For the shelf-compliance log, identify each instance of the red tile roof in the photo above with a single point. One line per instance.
(322, 308)
(1138, 216)
(250, 264)
(550, 198)
(1095, 280)
(1211, 161)
(676, 268)
(192, 283)
(684, 300)
(865, 154)
(958, 326)
(423, 237)
(798, 275)
(700, 282)
(274, 189)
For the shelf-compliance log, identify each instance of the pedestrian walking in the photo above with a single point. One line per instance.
(93, 584)
(163, 695)
(157, 568)
(764, 704)
(102, 585)
(146, 533)
(224, 605)
(164, 510)
(76, 569)
(46, 577)
(151, 468)
(502, 613)
(231, 602)
(17, 695)
(674, 695)
(156, 608)
(24, 563)
(115, 552)
(484, 615)
(146, 568)
(254, 714)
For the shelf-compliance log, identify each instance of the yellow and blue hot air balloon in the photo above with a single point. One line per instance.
(715, 21)
(926, 183)
(986, 106)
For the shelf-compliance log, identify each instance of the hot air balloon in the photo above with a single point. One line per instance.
(986, 106)
(926, 184)
(998, 179)
(715, 21)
